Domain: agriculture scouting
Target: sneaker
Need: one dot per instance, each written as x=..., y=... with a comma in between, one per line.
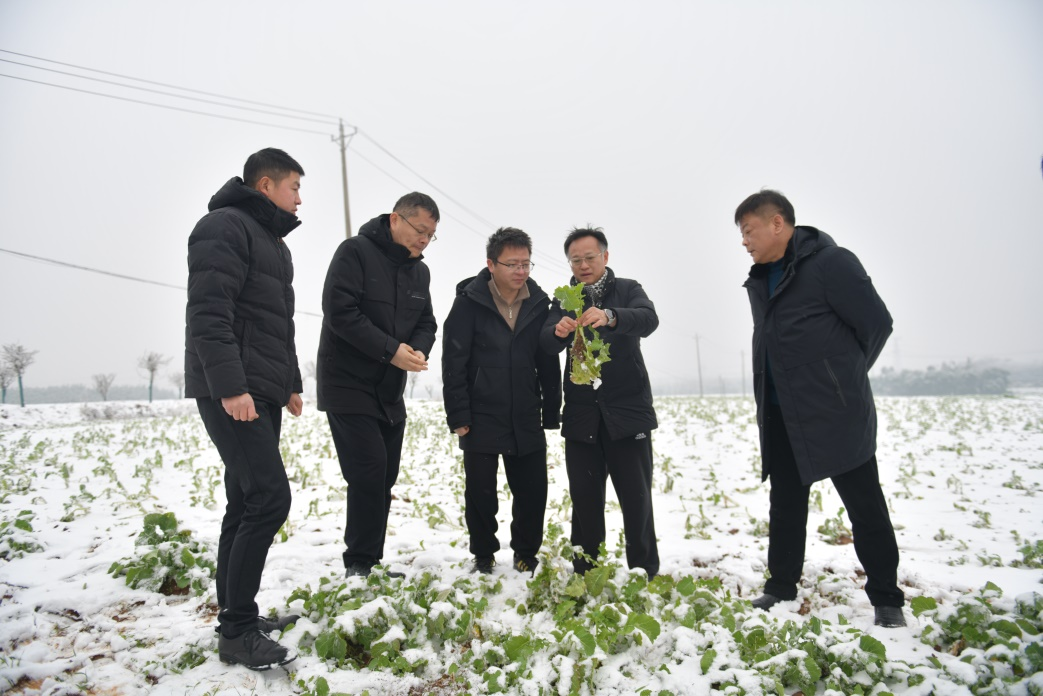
x=254, y=650
x=766, y=601
x=279, y=623
x=483, y=565
x=525, y=564
x=889, y=617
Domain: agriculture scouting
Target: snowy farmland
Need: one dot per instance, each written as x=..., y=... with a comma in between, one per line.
x=964, y=478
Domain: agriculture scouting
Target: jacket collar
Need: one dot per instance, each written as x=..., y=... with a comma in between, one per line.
x=235, y=193
x=378, y=231
x=476, y=288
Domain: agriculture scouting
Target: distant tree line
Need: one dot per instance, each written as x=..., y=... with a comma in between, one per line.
x=950, y=379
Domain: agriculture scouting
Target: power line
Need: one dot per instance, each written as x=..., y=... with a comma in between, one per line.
x=121, y=276
x=165, y=94
x=165, y=106
x=164, y=84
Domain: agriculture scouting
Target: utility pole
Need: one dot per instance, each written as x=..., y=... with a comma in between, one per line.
x=699, y=364
x=742, y=371
x=343, y=142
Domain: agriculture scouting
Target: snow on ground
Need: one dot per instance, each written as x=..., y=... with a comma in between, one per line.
x=962, y=475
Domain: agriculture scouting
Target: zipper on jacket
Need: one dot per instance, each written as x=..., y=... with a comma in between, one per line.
x=836, y=382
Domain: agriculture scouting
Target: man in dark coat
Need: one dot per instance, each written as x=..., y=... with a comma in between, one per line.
x=608, y=426
x=377, y=325
x=241, y=367
x=818, y=327
x=500, y=392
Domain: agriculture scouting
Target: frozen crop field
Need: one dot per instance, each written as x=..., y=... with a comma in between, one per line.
x=964, y=477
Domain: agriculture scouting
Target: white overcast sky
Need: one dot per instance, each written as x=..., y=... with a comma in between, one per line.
x=910, y=131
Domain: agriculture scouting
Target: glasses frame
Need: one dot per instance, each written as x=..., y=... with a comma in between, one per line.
x=431, y=236
x=576, y=263
x=525, y=267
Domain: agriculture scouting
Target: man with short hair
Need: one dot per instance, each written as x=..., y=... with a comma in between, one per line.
x=501, y=391
x=818, y=327
x=608, y=429
x=377, y=325
x=241, y=367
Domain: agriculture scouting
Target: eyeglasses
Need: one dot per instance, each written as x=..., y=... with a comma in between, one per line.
x=523, y=267
x=430, y=235
x=578, y=261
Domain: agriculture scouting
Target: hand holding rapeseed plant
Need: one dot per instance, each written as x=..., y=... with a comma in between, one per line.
x=587, y=356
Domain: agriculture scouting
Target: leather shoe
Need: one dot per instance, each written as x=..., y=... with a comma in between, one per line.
x=889, y=617
x=254, y=650
x=766, y=601
x=483, y=565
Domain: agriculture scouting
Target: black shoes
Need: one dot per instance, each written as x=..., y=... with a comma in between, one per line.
x=889, y=617
x=254, y=650
x=525, y=564
x=483, y=565
x=355, y=570
x=279, y=623
x=766, y=601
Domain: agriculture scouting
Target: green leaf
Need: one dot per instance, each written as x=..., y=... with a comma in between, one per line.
x=586, y=640
x=322, y=687
x=644, y=623
x=1006, y=628
x=329, y=645
x=187, y=558
x=921, y=604
x=686, y=586
x=873, y=646
x=576, y=587
x=23, y=524
x=814, y=671
x=597, y=578
x=570, y=297
x=707, y=660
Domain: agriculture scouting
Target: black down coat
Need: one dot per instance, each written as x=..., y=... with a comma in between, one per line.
x=624, y=399
x=239, y=334
x=494, y=380
x=375, y=298
x=823, y=328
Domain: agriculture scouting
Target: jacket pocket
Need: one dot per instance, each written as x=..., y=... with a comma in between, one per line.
x=836, y=382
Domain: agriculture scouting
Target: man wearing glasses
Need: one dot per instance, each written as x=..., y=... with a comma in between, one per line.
x=377, y=325
x=501, y=391
x=608, y=430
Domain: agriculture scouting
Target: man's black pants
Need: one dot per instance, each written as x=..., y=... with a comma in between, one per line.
x=859, y=489
x=527, y=478
x=258, y=495
x=629, y=462
x=369, y=450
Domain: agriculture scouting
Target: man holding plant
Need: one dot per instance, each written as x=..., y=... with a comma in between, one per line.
x=501, y=391
x=818, y=327
x=608, y=417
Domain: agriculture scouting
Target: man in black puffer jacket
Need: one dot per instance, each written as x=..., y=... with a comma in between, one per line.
x=500, y=392
x=608, y=429
x=241, y=367
x=818, y=326
x=377, y=325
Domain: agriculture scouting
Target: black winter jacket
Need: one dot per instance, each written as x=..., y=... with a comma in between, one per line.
x=498, y=382
x=624, y=398
x=239, y=333
x=823, y=329
x=375, y=298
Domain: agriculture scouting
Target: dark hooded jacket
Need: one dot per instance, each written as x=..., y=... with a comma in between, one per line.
x=822, y=329
x=624, y=399
x=375, y=298
x=239, y=333
x=495, y=380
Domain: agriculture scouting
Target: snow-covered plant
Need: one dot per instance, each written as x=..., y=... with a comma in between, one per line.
x=587, y=355
x=168, y=560
x=16, y=536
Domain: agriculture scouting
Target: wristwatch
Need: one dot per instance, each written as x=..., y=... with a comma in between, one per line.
x=611, y=316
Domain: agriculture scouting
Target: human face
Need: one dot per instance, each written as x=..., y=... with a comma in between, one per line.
x=284, y=193
x=587, y=260
x=763, y=236
x=414, y=233
x=511, y=279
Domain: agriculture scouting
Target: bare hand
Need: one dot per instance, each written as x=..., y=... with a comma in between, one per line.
x=408, y=359
x=240, y=408
x=594, y=318
x=295, y=405
x=564, y=327
x=463, y=431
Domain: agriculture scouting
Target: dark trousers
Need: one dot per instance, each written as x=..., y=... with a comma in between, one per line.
x=369, y=450
x=258, y=495
x=860, y=491
x=527, y=478
x=629, y=462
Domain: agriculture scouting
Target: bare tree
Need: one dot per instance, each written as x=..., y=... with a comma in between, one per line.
x=102, y=384
x=151, y=362
x=6, y=377
x=177, y=378
x=18, y=359
x=413, y=377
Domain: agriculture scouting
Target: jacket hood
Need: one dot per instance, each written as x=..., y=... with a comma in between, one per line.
x=477, y=288
x=378, y=231
x=236, y=194
x=805, y=241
